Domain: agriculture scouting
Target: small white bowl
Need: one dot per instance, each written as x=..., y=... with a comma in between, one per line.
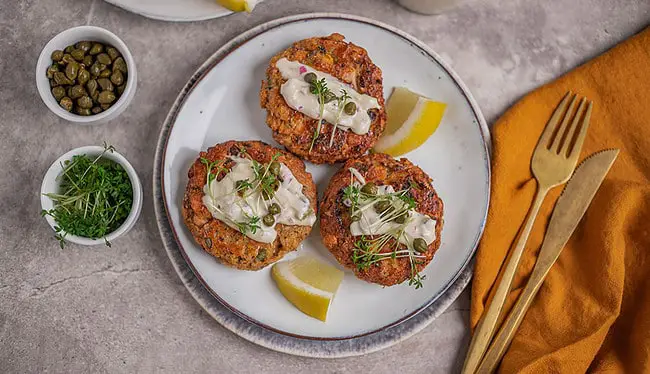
x=51, y=185
x=72, y=36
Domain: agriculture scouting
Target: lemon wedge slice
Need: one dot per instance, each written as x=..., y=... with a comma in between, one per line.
x=308, y=283
x=238, y=5
x=411, y=121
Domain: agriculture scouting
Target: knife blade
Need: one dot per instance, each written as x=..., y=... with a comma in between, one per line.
x=567, y=214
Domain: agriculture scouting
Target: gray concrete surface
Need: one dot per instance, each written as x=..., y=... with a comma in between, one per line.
x=123, y=309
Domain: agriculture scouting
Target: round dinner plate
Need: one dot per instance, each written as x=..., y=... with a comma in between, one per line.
x=173, y=10
x=221, y=102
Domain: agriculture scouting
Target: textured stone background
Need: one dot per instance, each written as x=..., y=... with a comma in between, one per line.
x=123, y=309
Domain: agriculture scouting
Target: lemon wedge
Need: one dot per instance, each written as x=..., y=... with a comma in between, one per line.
x=238, y=5
x=411, y=121
x=308, y=283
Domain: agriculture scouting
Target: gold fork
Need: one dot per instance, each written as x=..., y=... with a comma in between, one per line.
x=553, y=162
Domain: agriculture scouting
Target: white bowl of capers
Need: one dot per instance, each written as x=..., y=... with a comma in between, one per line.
x=86, y=75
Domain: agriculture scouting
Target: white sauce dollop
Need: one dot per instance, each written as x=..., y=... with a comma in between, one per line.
x=418, y=225
x=297, y=95
x=223, y=202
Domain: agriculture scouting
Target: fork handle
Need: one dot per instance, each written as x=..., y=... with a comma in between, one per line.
x=487, y=324
x=511, y=325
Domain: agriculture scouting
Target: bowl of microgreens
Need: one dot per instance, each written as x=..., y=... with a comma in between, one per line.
x=91, y=195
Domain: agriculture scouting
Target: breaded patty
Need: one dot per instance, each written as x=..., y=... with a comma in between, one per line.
x=230, y=246
x=345, y=61
x=335, y=219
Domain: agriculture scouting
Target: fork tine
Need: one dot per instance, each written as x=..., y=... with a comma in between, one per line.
x=575, y=151
x=568, y=139
x=545, y=139
x=557, y=141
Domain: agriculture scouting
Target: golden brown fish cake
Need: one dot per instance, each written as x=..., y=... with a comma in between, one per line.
x=335, y=217
x=347, y=62
x=228, y=245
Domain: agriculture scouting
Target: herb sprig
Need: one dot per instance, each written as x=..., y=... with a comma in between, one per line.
x=94, y=198
x=340, y=102
x=320, y=89
x=394, y=243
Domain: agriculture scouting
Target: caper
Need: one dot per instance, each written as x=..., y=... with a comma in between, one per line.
x=310, y=77
x=96, y=49
x=401, y=219
x=329, y=96
x=105, y=106
x=71, y=70
x=92, y=87
x=381, y=206
x=120, y=89
x=68, y=49
x=88, y=61
x=350, y=108
x=53, y=83
x=95, y=69
x=84, y=46
x=77, y=91
x=241, y=186
x=95, y=96
x=355, y=218
x=82, y=111
x=105, y=84
x=51, y=70
x=78, y=54
x=268, y=220
x=369, y=188
x=58, y=92
x=105, y=73
x=261, y=255
x=106, y=97
x=113, y=53
x=66, y=103
x=57, y=55
x=85, y=102
x=274, y=209
x=103, y=58
x=275, y=185
x=96, y=110
x=61, y=79
x=274, y=168
x=120, y=64
x=83, y=77
x=117, y=78
x=67, y=58
x=420, y=245
x=267, y=195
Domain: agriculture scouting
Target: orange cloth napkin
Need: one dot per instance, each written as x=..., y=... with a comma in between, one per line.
x=592, y=313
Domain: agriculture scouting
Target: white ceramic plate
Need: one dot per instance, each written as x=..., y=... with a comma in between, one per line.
x=221, y=103
x=174, y=10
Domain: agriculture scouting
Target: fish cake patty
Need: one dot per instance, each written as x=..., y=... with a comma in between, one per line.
x=345, y=61
x=228, y=245
x=335, y=217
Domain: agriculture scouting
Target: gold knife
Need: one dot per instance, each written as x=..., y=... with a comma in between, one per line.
x=568, y=212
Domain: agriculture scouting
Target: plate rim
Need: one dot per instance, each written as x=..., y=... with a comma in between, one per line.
x=458, y=282
x=157, y=17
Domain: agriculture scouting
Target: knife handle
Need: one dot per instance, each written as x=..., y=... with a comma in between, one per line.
x=509, y=328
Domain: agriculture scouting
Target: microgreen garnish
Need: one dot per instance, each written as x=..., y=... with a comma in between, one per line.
x=392, y=207
x=95, y=197
x=251, y=225
x=209, y=165
x=319, y=88
x=340, y=102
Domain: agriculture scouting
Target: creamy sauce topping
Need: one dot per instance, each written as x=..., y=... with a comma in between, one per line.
x=418, y=225
x=298, y=96
x=225, y=204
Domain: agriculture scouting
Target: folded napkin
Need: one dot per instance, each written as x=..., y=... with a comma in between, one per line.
x=593, y=311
